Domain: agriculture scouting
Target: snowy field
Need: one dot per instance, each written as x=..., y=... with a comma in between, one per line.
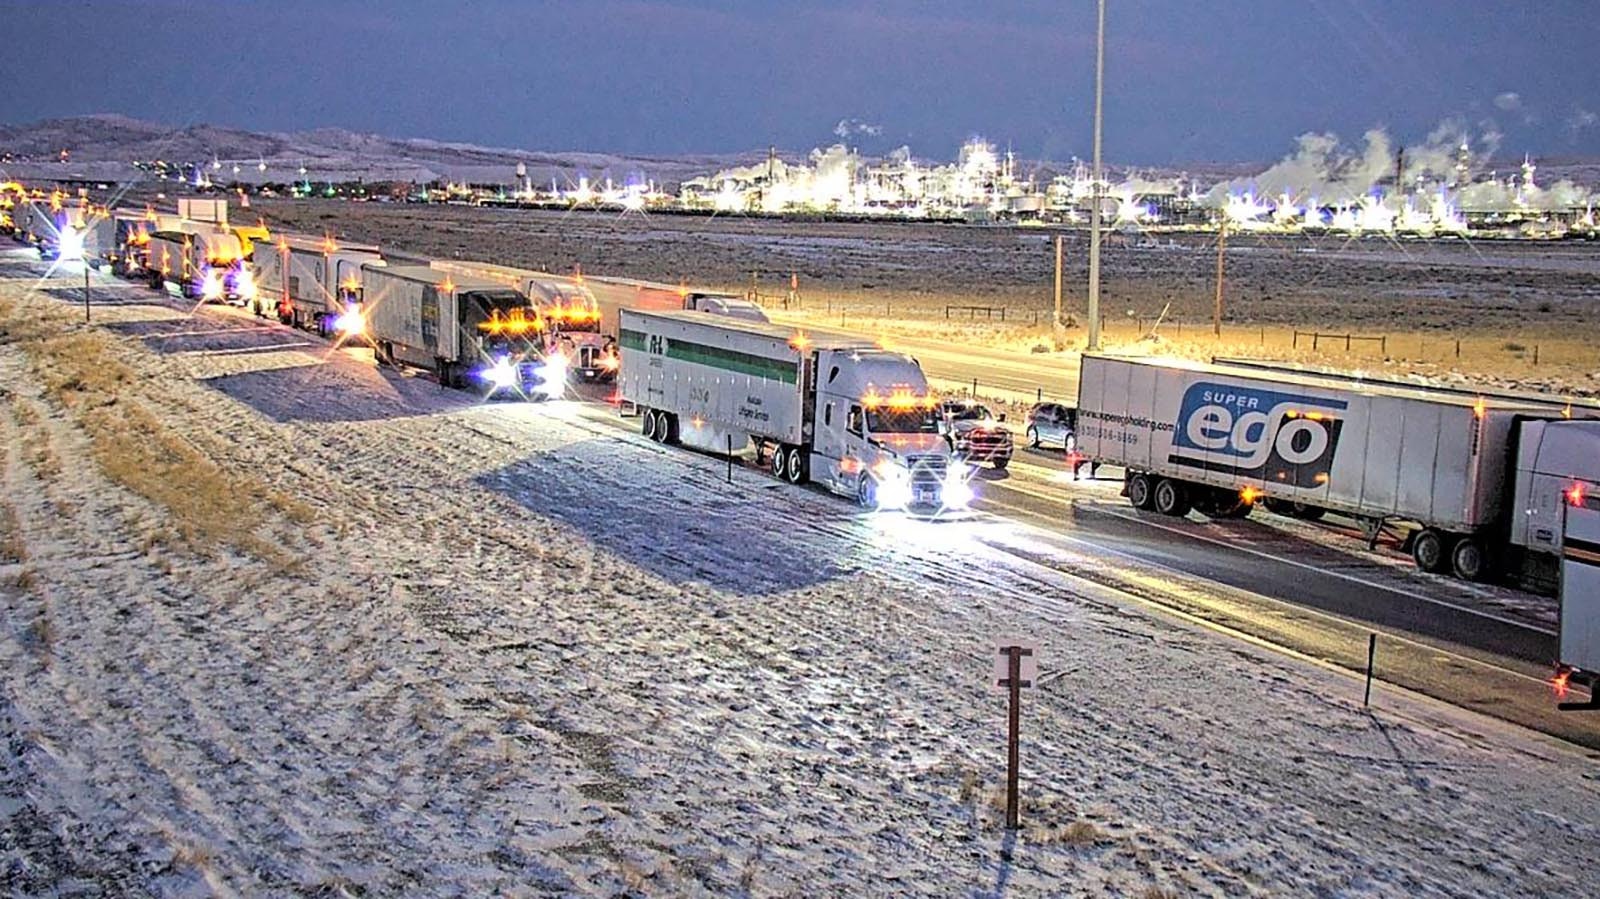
x=455, y=648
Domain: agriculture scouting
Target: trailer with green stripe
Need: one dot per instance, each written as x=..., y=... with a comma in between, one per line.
x=843, y=413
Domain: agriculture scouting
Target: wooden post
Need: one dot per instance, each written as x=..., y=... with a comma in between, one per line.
x=1222, y=246
x=1372, y=652
x=1013, y=733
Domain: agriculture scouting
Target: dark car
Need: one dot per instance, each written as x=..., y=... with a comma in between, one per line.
x=1052, y=424
x=974, y=433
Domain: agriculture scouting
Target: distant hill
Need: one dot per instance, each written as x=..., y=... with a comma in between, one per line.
x=101, y=144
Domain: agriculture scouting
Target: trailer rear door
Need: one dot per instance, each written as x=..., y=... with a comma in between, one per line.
x=1580, y=587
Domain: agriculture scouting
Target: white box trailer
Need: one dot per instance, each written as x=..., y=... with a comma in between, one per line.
x=850, y=416
x=314, y=283
x=467, y=330
x=1579, y=621
x=1465, y=471
x=204, y=209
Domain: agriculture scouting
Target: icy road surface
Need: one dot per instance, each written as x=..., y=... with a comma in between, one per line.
x=519, y=649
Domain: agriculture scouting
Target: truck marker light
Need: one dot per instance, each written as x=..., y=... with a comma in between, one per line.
x=1249, y=495
x=1575, y=495
x=1321, y=478
x=800, y=341
x=1479, y=408
x=1567, y=411
x=328, y=246
x=1560, y=681
x=447, y=286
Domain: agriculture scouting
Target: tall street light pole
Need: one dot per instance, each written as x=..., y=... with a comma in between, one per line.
x=1094, y=211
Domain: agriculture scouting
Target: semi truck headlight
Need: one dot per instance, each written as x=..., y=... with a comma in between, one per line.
x=502, y=374
x=71, y=243
x=555, y=374
x=350, y=323
x=894, y=486
x=211, y=285
x=244, y=284
x=956, y=491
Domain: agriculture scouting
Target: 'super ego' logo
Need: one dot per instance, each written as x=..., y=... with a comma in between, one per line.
x=1252, y=432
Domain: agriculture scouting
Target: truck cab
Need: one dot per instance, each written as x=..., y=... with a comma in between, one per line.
x=875, y=434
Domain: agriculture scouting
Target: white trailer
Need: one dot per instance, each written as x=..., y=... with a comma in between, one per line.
x=467, y=330
x=1579, y=622
x=850, y=416
x=314, y=283
x=1477, y=479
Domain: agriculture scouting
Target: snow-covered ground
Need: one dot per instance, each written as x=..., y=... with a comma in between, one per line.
x=518, y=648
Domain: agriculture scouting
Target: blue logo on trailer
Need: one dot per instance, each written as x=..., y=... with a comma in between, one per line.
x=1250, y=432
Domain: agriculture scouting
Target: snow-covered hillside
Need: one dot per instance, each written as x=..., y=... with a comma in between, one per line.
x=443, y=647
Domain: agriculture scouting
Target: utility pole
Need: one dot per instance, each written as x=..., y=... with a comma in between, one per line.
x=1059, y=326
x=1094, y=211
x=1222, y=246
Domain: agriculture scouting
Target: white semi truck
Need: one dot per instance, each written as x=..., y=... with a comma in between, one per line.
x=568, y=313
x=202, y=261
x=469, y=331
x=1579, y=622
x=1478, y=481
x=314, y=283
x=850, y=416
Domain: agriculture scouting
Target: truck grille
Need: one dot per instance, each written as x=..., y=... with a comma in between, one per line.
x=927, y=468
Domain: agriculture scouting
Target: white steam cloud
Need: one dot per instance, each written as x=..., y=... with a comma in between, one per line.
x=848, y=128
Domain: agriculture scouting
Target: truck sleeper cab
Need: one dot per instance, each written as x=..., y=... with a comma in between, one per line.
x=315, y=284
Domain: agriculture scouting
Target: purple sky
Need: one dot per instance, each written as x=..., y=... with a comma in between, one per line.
x=1187, y=80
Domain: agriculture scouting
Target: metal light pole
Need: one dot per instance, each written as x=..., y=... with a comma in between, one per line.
x=1094, y=211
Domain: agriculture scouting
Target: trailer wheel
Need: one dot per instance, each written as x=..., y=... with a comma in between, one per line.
x=647, y=424
x=1171, y=498
x=668, y=424
x=796, y=466
x=779, y=461
x=1140, y=492
x=1428, y=549
x=1467, y=560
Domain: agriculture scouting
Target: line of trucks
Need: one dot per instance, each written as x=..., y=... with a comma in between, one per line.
x=1483, y=484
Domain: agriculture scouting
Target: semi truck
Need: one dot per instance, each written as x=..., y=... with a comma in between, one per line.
x=569, y=314
x=201, y=261
x=468, y=331
x=1476, y=482
x=849, y=416
x=314, y=283
x=1579, y=620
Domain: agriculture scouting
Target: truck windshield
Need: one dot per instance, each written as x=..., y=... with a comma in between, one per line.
x=901, y=421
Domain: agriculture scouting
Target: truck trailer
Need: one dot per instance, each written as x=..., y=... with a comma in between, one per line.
x=850, y=416
x=469, y=331
x=314, y=283
x=1478, y=482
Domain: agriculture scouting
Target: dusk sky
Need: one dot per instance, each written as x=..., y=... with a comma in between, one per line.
x=1228, y=80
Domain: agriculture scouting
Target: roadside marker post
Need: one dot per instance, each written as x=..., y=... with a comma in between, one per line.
x=1372, y=652
x=1016, y=666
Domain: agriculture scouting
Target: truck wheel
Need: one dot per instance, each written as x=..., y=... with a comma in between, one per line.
x=1171, y=498
x=1428, y=549
x=779, y=461
x=647, y=424
x=668, y=425
x=867, y=493
x=1140, y=492
x=1001, y=463
x=1033, y=437
x=796, y=466
x=1467, y=560
x=1305, y=512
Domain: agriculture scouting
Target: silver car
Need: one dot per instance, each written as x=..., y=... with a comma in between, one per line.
x=1052, y=424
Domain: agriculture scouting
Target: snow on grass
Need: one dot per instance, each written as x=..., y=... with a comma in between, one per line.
x=528, y=651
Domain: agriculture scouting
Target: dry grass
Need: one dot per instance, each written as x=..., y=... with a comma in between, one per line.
x=38, y=450
x=1159, y=893
x=83, y=370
